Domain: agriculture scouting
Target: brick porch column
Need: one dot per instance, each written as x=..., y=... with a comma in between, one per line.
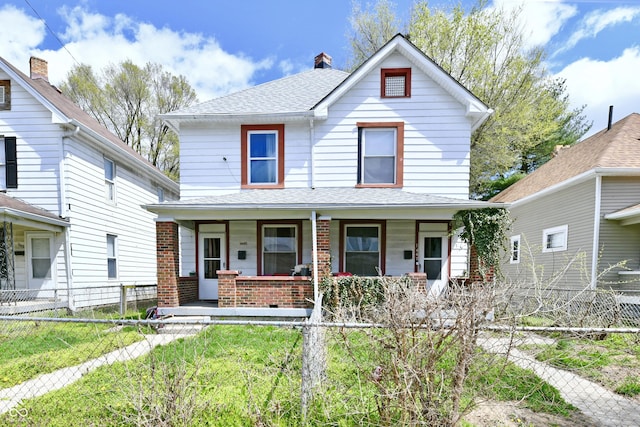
x=227, y=288
x=323, y=225
x=474, y=268
x=168, y=263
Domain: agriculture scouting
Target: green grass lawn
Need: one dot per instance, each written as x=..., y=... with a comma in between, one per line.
x=238, y=376
x=613, y=361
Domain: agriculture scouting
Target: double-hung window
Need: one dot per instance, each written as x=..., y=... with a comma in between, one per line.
x=280, y=248
x=555, y=239
x=363, y=249
x=380, y=154
x=262, y=148
x=110, y=180
x=112, y=259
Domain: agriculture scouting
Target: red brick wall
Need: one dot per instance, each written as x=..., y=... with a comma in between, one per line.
x=167, y=253
x=187, y=289
x=264, y=291
x=474, y=268
x=324, y=248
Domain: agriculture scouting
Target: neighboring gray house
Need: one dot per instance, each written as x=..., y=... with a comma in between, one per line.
x=321, y=172
x=583, y=201
x=72, y=229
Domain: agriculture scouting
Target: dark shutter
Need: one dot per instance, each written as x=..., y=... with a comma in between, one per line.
x=360, y=165
x=11, y=159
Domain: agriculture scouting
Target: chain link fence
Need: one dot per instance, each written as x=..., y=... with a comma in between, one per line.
x=536, y=371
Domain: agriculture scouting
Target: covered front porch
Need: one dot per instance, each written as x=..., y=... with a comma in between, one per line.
x=262, y=259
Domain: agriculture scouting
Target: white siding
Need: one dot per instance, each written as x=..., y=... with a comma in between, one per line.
x=436, y=139
x=436, y=142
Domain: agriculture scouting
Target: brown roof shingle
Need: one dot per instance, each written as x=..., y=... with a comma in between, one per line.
x=618, y=147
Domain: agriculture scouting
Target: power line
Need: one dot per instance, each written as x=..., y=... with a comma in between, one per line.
x=62, y=45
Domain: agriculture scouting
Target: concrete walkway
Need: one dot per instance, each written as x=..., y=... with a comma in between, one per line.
x=604, y=407
x=11, y=397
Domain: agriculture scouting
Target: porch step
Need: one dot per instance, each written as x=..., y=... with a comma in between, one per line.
x=188, y=325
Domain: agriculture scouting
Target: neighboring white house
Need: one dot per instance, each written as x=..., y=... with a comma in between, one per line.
x=364, y=170
x=73, y=227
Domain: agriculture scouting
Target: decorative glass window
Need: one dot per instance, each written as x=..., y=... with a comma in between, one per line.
x=515, y=250
x=380, y=158
x=109, y=179
x=555, y=239
x=395, y=83
x=262, y=148
x=112, y=260
x=279, y=249
x=362, y=250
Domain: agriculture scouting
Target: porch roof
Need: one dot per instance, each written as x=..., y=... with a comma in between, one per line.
x=320, y=198
x=24, y=213
x=627, y=216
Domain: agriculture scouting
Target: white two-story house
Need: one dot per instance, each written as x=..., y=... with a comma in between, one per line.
x=73, y=229
x=319, y=173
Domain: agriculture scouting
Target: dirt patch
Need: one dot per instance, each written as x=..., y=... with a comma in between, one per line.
x=513, y=414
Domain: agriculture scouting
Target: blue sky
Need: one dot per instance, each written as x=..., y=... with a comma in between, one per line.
x=223, y=46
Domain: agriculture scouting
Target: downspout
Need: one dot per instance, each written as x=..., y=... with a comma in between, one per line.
x=312, y=137
x=64, y=213
x=596, y=233
x=314, y=251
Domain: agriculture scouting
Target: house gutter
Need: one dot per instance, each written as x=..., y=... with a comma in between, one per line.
x=314, y=250
x=596, y=233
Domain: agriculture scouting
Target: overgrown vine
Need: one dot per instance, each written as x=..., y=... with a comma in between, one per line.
x=486, y=229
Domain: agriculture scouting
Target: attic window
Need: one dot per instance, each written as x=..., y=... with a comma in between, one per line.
x=5, y=94
x=395, y=83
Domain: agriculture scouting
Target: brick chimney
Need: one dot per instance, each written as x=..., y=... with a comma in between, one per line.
x=39, y=68
x=322, y=61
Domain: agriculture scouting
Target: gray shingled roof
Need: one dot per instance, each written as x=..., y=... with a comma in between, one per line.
x=618, y=147
x=19, y=206
x=296, y=198
x=291, y=94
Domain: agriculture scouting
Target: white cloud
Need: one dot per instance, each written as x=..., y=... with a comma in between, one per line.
x=599, y=20
x=98, y=40
x=617, y=85
x=540, y=20
x=19, y=33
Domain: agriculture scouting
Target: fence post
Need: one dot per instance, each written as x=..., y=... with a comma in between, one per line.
x=123, y=299
x=314, y=359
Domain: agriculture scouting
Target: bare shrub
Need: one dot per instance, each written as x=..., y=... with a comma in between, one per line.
x=417, y=355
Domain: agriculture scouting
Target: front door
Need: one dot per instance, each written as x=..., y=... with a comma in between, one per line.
x=40, y=260
x=434, y=260
x=212, y=256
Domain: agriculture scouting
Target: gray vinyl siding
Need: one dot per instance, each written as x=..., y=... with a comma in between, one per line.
x=573, y=207
x=618, y=242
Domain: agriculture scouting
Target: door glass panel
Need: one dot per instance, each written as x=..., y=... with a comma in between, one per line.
x=433, y=247
x=433, y=257
x=41, y=258
x=433, y=268
x=211, y=268
x=212, y=255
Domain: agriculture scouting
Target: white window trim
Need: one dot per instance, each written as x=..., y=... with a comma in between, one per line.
x=110, y=182
x=363, y=155
x=564, y=229
x=249, y=158
x=515, y=239
x=115, y=251
x=2, y=95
